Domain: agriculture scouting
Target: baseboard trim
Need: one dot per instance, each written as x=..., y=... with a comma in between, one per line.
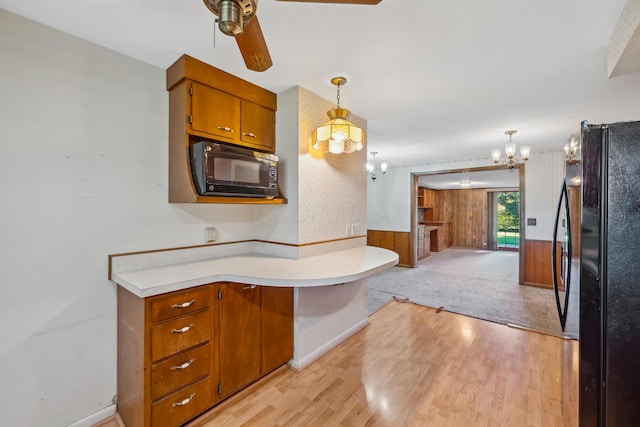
x=96, y=418
x=300, y=364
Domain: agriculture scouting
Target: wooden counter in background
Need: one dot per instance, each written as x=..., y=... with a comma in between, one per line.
x=441, y=235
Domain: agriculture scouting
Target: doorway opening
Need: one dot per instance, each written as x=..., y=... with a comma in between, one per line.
x=508, y=220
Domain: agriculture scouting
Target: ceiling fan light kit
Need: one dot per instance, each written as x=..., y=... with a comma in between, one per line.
x=338, y=135
x=236, y=18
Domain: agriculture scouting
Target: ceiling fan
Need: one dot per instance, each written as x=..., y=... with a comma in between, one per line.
x=237, y=18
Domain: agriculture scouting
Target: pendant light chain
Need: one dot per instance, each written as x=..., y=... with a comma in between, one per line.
x=338, y=95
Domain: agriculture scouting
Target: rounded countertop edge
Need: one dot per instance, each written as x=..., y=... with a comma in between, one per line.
x=298, y=273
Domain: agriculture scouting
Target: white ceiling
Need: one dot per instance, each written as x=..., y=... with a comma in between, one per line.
x=478, y=179
x=436, y=79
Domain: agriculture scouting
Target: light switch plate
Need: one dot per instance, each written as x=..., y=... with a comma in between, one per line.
x=531, y=221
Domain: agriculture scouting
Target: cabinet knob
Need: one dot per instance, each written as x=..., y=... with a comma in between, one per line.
x=249, y=134
x=185, y=401
x=226, y=129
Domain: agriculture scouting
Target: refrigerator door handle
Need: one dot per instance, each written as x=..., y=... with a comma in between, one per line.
x=565, y=268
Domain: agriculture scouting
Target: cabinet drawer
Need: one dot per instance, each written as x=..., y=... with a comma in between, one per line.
x=178, y=407
x=180, y=303
x=180, y=370
x=179, y=334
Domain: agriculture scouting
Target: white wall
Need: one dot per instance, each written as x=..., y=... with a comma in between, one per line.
x=544, y=173
x=389, y=197
x=83, y=174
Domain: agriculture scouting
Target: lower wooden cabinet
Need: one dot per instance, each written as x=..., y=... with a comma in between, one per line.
x=240, y=336
x=181, y=353
x=277, y=327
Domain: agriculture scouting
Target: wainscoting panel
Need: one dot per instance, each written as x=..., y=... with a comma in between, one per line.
x=538, y=263
x=397, y=241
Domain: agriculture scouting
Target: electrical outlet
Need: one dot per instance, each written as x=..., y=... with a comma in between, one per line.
x=210, y=235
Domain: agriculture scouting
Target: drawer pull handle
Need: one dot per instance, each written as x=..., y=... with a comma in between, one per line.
x=182, y=330
x=184, y=304
x=185, y=365
x=249, y=287
x=185, y=401
x=226, y=129
x=250, y=135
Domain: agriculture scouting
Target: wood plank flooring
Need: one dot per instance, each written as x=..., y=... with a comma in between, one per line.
x=414, y=367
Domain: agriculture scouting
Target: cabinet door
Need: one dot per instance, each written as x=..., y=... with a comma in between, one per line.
x=277, y=327
x=258, y=125
x=215, y=112
x=240, y=336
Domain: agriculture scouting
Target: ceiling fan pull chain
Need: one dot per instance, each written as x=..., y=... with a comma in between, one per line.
x=215, y=21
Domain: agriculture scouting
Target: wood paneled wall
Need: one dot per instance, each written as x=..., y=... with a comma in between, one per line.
x=397, y=241
x=538, y=263
x=467, y=211
x=575, y=207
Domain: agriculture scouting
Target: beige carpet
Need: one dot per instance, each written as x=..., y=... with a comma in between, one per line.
x=482, y=284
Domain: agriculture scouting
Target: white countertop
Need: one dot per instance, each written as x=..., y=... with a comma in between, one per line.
x=322, y=270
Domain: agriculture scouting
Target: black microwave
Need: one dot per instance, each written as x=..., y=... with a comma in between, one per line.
x=227, y=170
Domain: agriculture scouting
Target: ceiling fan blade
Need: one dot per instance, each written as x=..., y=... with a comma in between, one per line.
x=253, y=47
x=372, y=2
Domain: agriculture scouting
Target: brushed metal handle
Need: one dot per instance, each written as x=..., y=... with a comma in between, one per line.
x=249, y=287
x=185, y=365
x=183, y=330
x=249, y=134
x=225, y=128
x=184, y=304
x=185, y=401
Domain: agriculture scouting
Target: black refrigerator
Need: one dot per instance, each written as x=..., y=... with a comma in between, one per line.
x=609, y=328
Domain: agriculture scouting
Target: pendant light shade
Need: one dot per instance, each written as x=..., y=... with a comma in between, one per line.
x=338, y=135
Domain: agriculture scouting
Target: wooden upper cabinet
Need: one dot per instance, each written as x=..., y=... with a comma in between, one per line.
x=258, y=126
x=215, y=113
x=206, y=102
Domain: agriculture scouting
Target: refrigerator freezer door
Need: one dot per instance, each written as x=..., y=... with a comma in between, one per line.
x=621, y=273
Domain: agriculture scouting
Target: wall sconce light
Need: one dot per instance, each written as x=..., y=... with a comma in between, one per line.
x=373, y=169
x=510, y=150
x=571, y=149
x=338, y=135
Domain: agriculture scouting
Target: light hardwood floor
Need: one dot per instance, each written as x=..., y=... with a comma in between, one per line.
x=414, y=366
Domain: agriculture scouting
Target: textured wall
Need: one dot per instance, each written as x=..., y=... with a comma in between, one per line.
x=332, y=188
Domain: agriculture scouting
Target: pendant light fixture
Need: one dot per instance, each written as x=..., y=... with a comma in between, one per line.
x=510, y=150
x=338, y=135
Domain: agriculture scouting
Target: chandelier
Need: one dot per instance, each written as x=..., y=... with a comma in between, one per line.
x=373, y=169
x=510, y=150
x=338, y=135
